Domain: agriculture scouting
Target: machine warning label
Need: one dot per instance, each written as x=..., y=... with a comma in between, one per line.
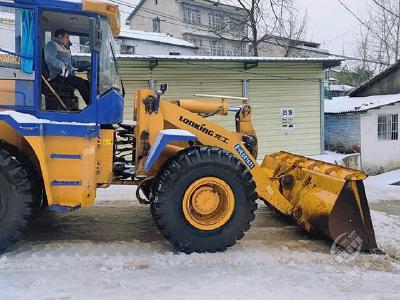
x=244, y=156
x=204, y=129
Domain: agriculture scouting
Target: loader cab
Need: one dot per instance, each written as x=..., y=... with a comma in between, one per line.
x=27, y=86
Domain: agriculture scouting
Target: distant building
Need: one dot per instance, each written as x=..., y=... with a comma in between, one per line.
x=365, y=125
x=281, y=46
x=195, y=21
x=367, y=122
x=337, y=90
x=384, y=83
x=150, y=43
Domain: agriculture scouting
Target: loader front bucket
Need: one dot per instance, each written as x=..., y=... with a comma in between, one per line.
x=327, y=199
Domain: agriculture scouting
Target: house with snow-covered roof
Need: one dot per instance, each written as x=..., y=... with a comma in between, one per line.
x=368, y=126
x=152, y=43
x=132, y=41
x=367, y=122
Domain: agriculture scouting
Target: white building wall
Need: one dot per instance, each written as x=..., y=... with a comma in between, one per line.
x=378, y=156
x=143, y=19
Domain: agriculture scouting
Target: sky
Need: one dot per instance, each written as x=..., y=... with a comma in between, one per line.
x=332, y=25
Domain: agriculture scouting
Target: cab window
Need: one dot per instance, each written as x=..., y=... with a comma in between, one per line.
x=66, y=63
x=17, y=53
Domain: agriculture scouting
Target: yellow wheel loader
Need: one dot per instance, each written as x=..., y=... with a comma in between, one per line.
x=201, y=180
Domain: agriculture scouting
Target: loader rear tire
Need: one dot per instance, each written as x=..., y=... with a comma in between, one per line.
x=18, y=198
x=221, y=174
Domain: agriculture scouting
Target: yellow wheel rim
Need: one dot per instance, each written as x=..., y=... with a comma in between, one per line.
x=208, y=203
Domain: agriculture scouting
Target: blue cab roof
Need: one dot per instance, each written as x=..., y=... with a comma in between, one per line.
x=75, y=5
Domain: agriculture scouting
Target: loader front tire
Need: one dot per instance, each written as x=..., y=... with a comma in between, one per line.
x=17, y=197
x=204, y=200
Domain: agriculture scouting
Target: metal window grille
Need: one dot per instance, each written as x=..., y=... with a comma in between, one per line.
x=388, y=127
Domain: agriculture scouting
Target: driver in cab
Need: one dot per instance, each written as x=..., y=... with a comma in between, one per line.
x=58, y=58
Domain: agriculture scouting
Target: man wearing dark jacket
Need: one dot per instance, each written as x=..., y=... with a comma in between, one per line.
x=59, y=62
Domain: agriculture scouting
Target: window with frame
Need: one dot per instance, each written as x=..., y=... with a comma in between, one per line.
x=215, y=21
x=127, y=49
x=197, y=41
x=217, y=48
x=192, y=15
x=17, y=52
x=388, y=127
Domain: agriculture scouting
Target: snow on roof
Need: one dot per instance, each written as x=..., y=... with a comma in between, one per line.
x=340, y=105
x=23, y=118
x=154, y=37
x=326, y=61
x=340, y=87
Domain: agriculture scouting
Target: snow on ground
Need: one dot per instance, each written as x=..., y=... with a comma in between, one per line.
x=113, y=251
x=380, y=187
x=330, y=157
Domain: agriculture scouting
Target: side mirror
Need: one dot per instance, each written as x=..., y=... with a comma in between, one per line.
x=95, y=35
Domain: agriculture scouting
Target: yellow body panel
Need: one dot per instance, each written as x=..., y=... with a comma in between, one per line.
x=68, y=182
x=104, y=157
x=8, y=134
x=111, y=11
x=86, y=162
x=7, y=92
x=202, y=107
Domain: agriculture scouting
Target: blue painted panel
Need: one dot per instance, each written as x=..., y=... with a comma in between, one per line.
x=63, y=209
x=66, y=183
x=111, y=108
x=165, y=137
x=66, y=156
x=71, y=130
x=25, y=129
x=53, y=4
x=39, y=129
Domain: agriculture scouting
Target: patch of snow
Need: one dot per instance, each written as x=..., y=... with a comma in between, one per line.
x=385, y=178
x=128, y=123
x=380, y=188
x=29, y=119
x=163, y=38
x=331, y=157
x=231, y=58
x=355, y=104
x=340, y=87
x=387, y=231
x=116, y=194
